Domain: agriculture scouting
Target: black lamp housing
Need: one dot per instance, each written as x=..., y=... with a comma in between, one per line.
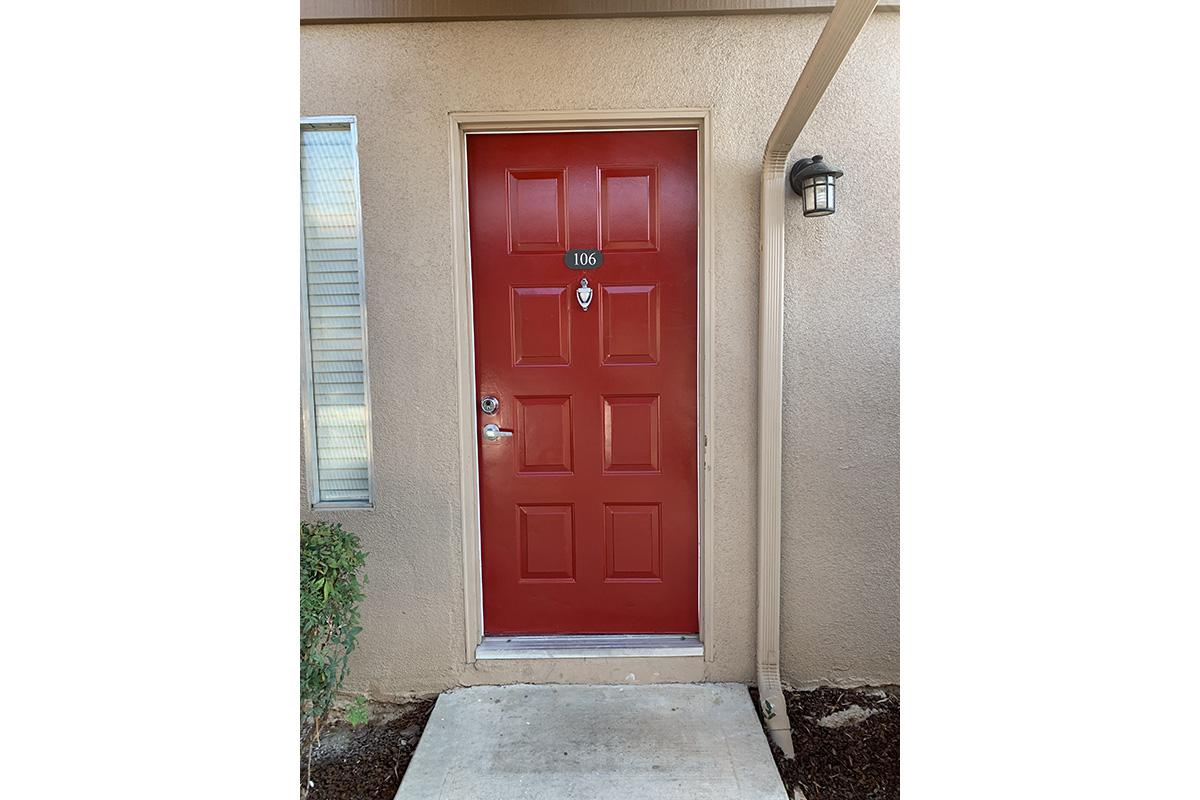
x=816, y=183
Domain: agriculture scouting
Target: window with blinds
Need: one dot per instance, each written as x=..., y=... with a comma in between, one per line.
x=337, y=411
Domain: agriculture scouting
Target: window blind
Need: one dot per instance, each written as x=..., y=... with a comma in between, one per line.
x=340, y=438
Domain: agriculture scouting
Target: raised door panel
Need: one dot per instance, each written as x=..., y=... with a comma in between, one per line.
x=537, y=211
x=631, y=433
x=540, y=322
x=629, y=209
x=630, y=323
x=547, y=543
x=544, y=436
x=633, y=542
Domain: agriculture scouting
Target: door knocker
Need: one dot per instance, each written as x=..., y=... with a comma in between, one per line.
x=584, y=294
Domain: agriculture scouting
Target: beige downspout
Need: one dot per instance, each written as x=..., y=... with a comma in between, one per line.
x=841, y=29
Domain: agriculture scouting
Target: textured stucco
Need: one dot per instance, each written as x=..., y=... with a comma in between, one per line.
x=841, y=386
x=840, y=549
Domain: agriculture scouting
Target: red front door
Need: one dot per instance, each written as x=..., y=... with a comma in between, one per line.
x=588, y=510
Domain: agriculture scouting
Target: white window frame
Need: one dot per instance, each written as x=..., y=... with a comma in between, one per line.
x=309, y=398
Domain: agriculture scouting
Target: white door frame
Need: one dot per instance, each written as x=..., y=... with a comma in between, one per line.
x=462, y=123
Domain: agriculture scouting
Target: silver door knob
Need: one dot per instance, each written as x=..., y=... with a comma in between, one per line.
x=492, y=432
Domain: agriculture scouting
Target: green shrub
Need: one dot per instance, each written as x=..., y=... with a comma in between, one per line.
x=330, y=559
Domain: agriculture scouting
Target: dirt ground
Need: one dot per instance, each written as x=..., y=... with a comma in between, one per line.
x=368, y=761
x=847, y=747
x=847, y=743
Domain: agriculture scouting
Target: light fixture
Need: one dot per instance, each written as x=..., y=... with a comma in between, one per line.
x=815, y=182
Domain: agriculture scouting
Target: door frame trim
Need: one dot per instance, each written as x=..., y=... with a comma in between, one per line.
x=460, y=124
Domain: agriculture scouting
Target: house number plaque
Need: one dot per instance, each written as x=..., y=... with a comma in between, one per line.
x=583, y=259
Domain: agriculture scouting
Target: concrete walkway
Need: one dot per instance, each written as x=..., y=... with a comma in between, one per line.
x=666, y=741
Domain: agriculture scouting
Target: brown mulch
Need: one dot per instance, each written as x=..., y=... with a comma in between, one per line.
x=859, y=760
x=367, y=761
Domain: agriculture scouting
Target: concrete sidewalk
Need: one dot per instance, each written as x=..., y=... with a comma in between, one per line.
x=668, y=741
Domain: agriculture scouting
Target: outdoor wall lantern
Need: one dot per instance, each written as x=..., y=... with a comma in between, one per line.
x=815, y=181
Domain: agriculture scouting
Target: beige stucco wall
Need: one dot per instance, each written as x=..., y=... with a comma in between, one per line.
x=841, y=384
x=840, y=550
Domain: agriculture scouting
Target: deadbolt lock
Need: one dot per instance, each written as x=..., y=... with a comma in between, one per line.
x=489, y=404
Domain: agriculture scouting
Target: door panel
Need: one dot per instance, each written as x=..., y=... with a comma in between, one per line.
x=588, y=511
x=630, y=324
x=631, y=438
x=537, y=211
x=541, y=326
x=543, y=435
x=629, y=208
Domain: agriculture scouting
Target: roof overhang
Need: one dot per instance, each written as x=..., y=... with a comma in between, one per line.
x=314, y=12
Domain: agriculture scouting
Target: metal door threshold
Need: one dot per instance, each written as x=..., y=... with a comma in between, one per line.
x=591, y=646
